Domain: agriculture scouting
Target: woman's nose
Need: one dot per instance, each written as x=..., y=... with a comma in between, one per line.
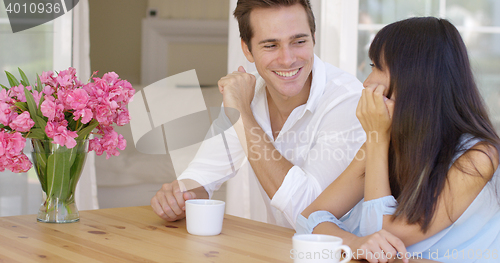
x=367, y=82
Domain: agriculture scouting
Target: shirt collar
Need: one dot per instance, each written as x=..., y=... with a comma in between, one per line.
x=317, y=84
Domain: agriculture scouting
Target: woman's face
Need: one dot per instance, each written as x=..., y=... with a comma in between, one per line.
x=378, y=77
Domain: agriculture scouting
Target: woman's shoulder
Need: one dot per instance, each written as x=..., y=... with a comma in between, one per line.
x=477, y=157
x=476, y=164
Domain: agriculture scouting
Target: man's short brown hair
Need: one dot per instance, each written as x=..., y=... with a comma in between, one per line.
x=245, y=7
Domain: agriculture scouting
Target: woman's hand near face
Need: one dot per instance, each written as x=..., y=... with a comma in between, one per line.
x=375, y=112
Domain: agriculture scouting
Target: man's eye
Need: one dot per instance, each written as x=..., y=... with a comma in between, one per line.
x=269, y=46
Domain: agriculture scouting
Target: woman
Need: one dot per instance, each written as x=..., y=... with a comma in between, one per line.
x=428, y=170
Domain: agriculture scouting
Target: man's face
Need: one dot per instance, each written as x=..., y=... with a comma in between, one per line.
x=282, y=48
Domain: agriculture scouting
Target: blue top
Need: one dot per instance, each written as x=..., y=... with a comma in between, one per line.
x=473, y=237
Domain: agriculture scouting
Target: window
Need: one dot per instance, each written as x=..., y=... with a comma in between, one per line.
x=478, y=22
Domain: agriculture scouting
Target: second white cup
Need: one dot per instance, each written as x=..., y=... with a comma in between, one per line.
x=315, y=248
x=204, y=217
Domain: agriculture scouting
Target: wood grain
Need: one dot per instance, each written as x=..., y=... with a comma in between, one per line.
x=136, y=234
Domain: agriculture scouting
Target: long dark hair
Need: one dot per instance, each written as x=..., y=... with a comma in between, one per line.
x=436, y=101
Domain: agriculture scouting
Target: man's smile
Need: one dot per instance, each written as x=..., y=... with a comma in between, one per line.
x=287, y=73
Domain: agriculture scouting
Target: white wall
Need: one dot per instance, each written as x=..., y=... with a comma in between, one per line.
x=190, y=9
x=209, y=60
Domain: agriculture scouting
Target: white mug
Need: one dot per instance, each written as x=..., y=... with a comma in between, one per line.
x=319, y=249
x=204, y=217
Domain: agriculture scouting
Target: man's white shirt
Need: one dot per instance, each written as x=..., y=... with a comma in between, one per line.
x=320, y=138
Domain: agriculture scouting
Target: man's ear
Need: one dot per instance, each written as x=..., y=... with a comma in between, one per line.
x=247, y=52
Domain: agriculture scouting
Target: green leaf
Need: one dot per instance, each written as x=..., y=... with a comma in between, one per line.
x=31, y=106
x=22, y=105
x=58, y=165
x=40, y=155
x=40, y=122
x=39, y=111
x=37, y=133
x=25, y=79
x=77, y=167
x=83, y=133
x=4, y=87
x=12, y=80
x=71, y=123
x=39, y=84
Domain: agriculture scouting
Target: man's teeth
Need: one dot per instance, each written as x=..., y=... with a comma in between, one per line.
x=287, y=74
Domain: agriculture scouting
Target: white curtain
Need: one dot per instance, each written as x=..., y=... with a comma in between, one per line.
x=86, y=191
x=238, y=192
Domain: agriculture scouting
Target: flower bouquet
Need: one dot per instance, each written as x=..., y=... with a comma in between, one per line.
x=59, y=114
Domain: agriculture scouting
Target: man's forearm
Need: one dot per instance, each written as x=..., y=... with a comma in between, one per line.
x=267, y=162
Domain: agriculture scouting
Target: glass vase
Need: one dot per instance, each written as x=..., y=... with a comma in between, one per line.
x=58, y=169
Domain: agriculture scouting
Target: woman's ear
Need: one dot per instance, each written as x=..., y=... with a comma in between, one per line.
x=247, y=52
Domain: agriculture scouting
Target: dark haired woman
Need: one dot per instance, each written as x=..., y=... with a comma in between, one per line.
x=425, y=183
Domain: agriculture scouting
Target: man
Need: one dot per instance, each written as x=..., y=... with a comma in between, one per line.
x=297, y=129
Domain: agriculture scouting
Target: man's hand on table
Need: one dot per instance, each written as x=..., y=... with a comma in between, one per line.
x=169, y=202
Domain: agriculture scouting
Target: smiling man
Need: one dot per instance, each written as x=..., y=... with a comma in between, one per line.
x=297, y=129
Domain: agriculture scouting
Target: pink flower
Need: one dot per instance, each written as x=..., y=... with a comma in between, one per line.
x=13, y=144
x=52, y=110
x=122, y=143
x=6, y=113
x=3, y=144
x=22, y=123
x=86, y=115
x=37, y=96
x=77, y=99
x=11, y=152
x=123, y=118
x=18, y=92
x=48, y=90
x=95, y=145
x=69, y=72
x=64, y=81
x=109, y=142
x=103, y=115
x=3, y=96
x=47, y=78
x=60, y=134
x=111, y=78
x=19, y=164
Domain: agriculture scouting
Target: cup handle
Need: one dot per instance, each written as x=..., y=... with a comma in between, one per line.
x=348, y=253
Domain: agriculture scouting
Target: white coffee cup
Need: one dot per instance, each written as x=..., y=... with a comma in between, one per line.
x=204, y=217
x=319, y=249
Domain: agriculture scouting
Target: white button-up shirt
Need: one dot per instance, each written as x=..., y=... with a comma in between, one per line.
x=320, y=138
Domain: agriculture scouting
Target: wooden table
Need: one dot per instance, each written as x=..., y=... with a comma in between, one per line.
x=136, y=234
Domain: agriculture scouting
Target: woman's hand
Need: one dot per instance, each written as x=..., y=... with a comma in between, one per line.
x=375, y=112
x=379, y=247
